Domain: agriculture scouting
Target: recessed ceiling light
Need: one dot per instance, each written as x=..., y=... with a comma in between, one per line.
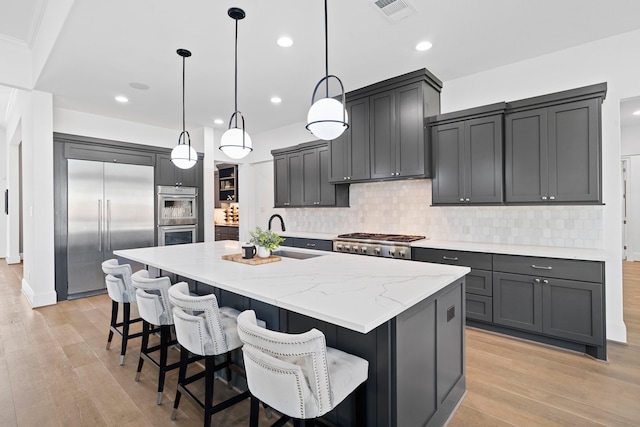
x=285, y=41
x=218, y=121
x=636, y=113
x=139, y=86
x=122, y=99
x=422, y=46
x=276, y=100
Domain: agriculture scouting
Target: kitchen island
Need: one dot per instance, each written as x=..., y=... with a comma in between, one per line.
x=406, y=318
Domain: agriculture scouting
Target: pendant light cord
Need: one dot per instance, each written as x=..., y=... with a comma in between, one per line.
x=236, y=75
x=326, y=47
x=183, y=84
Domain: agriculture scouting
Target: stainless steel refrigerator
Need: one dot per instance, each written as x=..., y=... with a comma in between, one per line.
x=110, y=207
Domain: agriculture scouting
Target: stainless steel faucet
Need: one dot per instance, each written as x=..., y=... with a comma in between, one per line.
x=281, y=221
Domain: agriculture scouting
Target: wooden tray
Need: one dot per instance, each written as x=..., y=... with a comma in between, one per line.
x=256, y=260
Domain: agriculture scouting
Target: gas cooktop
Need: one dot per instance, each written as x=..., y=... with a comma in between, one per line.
x=381, y=237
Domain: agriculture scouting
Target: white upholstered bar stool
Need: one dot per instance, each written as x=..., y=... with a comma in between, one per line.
x=120, y=291
x=207, y=330
x=297, y=374
x=152, y=296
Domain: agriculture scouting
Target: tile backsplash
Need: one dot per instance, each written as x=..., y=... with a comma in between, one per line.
x=404, y=207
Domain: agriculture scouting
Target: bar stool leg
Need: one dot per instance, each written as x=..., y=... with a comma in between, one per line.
x=209, y=363
x=182, y=374
x=114, y=320
x=125, y=330
x=254, y=412
x=165, y=339
x=143, y=347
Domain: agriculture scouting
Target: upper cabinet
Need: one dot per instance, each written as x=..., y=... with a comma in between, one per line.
x=301, y=177
x=386, y=137
x=227, y=183
x=169, y=174
x=553, y=148
x=468, y=157
x=350, y=152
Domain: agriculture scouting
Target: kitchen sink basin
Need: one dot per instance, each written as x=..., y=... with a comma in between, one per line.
x=296, y=255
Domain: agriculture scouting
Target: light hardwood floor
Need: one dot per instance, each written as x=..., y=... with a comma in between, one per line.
x=55, y=371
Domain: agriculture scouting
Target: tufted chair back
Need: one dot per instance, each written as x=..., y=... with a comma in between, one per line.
x=286, y=371
x=200, y=325
x=152, y=296
x=118, y=281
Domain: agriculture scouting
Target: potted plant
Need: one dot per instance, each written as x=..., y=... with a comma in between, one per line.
x=265, y=241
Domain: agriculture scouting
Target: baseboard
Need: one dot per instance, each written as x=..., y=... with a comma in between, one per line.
x=15, y=259
x=38, y=300
x=617, y=332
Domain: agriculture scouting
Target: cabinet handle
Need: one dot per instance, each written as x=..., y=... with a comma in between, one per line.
x=450, y=258
x=344, y=177
x=544, y=197
x=552, y=198
x=545, y=281
x=542, y=267
x=462, y=199
x=467, y=200
x=536, y=280
x=311, y=245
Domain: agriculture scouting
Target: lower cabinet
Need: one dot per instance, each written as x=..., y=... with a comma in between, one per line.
x=479, y=282
x=555, y=301
x=561, y=308
x=224, y=232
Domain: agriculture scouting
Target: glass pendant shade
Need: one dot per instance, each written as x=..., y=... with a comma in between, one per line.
x=232, y=145
x=184, y=156
x=325, y=119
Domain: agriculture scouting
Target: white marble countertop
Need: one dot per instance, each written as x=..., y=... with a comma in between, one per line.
x=495, y=248
x=356, y=292
x=499, y=248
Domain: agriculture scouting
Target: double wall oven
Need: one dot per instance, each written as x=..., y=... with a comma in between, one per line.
x=177, y=215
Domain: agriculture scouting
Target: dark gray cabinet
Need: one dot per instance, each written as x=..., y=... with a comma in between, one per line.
x=479, y=282
x=386, y=136
x=556, y=301
x=349, y=153
x=556, y=297
x=167, y=173
x=468, y=156
x=301, y=177
x=226, y=232
x=227, y=183
x=397, y=138
x=553, y=148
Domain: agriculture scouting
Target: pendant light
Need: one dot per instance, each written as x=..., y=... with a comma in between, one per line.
x=327, y=118
x=184, y=155
x=235, y=142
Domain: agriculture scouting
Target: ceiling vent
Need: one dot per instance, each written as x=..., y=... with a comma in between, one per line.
x=395, y=10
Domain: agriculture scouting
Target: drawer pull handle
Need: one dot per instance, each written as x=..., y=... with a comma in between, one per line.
x=542, y=267
x=311, y=245
x=449, y=258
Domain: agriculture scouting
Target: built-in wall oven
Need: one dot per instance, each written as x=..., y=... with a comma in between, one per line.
x=177, y=215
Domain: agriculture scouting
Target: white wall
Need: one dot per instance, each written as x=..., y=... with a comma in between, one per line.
x=3, y=187
x=85, y=124
x=633, y=208
x=630, y=140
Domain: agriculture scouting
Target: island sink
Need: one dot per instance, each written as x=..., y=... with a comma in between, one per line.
x=292, y=254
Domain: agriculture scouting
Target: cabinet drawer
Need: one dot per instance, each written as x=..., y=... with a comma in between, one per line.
x=320, y=245
x=586, y=271
x=479, y=307
x=478, y=260
x=479, y=282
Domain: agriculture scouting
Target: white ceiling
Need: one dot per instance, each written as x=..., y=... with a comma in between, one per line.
x=106, y=45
